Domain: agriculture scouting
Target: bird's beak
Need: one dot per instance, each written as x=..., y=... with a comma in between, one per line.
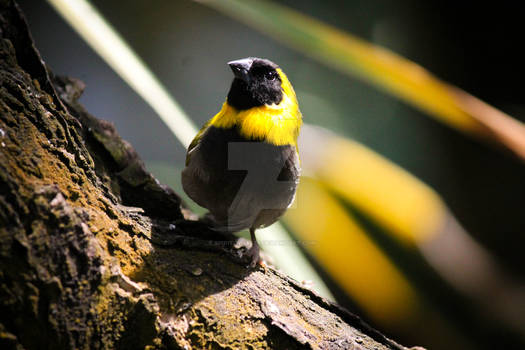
x=241, y=68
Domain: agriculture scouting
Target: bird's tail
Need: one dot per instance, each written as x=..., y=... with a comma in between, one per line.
x=225, y=225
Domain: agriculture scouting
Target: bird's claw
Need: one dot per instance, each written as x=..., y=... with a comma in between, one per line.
x=254, y=254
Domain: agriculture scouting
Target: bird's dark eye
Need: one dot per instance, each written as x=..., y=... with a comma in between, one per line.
x=271, y=75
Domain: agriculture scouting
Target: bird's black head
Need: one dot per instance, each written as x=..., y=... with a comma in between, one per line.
x=256, y=83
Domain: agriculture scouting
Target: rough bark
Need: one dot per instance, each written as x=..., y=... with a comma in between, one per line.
x=78, y=217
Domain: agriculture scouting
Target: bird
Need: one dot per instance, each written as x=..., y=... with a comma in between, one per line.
x=243, y=165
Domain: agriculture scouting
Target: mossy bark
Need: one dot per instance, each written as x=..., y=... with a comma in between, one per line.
x=78, y=213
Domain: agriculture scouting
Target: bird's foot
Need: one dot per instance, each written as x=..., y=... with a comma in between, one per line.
x=254, y=254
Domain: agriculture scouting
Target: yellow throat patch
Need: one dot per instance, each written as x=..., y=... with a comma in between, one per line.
x=275, y=124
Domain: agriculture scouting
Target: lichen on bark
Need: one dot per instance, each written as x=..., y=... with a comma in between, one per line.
x=78, y=214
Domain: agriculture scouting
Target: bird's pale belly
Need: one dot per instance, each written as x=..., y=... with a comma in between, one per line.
x=244, y=184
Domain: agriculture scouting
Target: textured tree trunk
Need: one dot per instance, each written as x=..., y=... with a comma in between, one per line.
x=78, y=217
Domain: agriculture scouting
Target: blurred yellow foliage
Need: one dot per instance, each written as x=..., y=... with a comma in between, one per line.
x=348, y=254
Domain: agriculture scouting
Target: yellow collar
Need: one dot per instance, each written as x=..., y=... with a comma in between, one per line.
x=275, y=124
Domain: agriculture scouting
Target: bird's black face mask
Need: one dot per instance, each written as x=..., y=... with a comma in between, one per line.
x=256, y=83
